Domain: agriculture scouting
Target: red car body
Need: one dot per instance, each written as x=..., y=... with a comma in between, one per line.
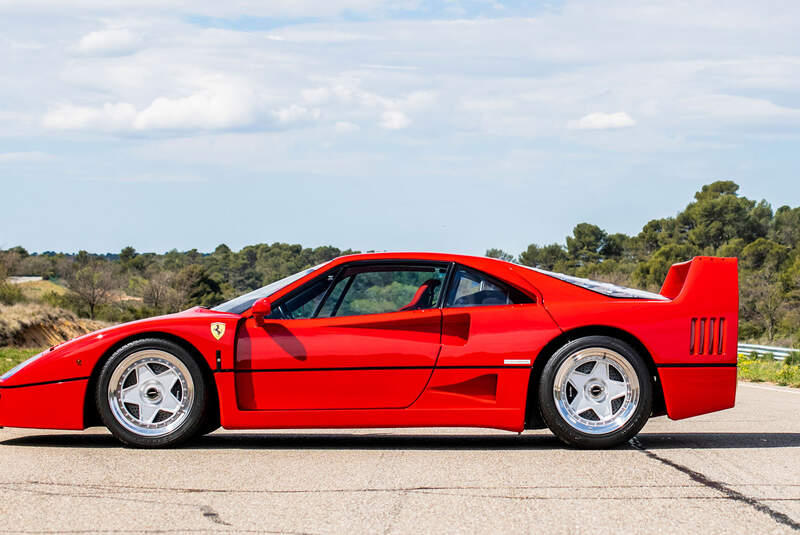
x=436, y=367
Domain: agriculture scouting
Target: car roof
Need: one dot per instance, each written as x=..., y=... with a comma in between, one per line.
x=437, y=257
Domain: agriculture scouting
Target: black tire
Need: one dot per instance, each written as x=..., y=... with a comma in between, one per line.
x=189, y=392
x=572, y=428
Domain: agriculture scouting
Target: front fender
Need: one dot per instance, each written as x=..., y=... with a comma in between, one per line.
x=78, y=358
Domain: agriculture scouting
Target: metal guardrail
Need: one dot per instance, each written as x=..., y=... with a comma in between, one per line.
x=779, y=353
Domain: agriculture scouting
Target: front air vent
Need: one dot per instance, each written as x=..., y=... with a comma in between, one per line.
x=707, y=336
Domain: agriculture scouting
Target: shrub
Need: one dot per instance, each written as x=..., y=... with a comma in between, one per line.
x=788, y=376
x=10, y=294
x=793, y=359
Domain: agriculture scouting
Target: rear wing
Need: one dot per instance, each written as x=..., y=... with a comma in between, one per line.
x=709, y=289
x=704, y=278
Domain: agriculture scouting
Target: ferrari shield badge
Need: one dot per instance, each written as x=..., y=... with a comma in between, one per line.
x=217, y=330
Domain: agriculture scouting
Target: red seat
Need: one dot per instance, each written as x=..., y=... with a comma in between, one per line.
x=423, y=296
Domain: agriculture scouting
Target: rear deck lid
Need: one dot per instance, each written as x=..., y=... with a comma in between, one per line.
x=605, y=288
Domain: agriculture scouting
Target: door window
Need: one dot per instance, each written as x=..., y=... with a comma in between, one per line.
x=391, y=290
x=362, y=290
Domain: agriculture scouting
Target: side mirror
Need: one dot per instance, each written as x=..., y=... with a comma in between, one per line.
x=261, y=309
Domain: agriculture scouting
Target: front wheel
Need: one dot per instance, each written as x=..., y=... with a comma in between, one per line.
x=595, y=392
x=151, y=394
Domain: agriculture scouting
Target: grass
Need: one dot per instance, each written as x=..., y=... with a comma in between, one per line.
x=35, y=290
x=765, y=369
x=11, y=356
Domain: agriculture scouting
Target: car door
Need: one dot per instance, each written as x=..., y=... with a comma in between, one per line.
x=364, y=337
x=489, y=324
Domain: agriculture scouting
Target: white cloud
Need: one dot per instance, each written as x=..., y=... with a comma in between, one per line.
x=109, y=117
x=112, y=42
x=602, y=121
x=295, y=113
x=223, y=104
x=394, y=120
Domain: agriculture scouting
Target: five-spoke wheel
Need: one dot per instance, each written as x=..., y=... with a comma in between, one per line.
x=151, y=393
x=595, y=392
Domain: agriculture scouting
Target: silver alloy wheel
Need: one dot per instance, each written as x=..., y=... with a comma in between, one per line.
x=151, y=393
x=596, y=390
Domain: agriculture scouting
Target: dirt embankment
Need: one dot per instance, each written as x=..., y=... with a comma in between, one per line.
x=31, y=325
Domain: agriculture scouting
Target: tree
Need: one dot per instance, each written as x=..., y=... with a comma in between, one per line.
x=194, y=286
x=92, y=285
x=126, y=255
x=546, y=257
x=586, y=242
x=764, y=253
x=719, y=214
x=763, y=300
x=158, y=292
x=614, y=246
x=785, y=228
x=500, y=254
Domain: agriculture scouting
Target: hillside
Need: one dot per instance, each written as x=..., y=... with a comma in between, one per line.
x=35, y=325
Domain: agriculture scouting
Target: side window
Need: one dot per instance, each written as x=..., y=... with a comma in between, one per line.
x=389, y=289
x=471, y=289
x=304, y=304
x=365, y=290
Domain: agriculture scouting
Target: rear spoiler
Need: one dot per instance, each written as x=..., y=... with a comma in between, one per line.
x=705, y=282
x=707, y=289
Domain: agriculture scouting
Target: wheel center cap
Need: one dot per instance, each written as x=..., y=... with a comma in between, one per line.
x=595, y=390
x=151, y=393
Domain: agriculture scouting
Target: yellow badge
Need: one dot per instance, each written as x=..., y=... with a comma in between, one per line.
x=217, y=330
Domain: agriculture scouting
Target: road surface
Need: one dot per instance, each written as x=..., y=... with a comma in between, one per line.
x=736, y=471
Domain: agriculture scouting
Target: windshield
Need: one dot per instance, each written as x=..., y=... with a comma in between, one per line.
x=605, y=288
x=243, y=302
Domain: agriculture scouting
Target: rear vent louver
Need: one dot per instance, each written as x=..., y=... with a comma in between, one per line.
x=707, y=336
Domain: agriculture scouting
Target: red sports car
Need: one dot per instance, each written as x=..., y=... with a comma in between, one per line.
x=402, y=340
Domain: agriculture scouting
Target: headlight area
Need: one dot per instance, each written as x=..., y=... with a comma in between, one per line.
x=21, y=365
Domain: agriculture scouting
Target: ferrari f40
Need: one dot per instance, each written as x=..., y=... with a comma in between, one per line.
x=402, y=340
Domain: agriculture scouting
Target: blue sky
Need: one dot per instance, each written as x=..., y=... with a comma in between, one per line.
x=384, y=125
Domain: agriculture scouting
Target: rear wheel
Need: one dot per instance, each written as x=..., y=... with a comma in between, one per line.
x=595, y=392
x=151, y=394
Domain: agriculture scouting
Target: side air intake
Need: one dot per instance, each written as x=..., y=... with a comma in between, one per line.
x=706, y=336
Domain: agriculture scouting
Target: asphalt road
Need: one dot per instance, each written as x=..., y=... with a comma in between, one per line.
x=736, y=471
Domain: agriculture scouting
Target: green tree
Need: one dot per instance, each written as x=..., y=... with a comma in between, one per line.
x=500, y=254
x=586, y=243
x=546, y=257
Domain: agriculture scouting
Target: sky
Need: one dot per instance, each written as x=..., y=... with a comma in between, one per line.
x=449, y=125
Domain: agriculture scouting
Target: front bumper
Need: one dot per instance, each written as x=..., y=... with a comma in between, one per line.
x=52, y=405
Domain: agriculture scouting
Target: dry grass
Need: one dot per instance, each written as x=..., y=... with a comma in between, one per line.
x=35, y=325
x=33, y=291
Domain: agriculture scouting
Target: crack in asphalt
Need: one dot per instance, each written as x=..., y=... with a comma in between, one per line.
x=429, y=490
x=721, y=487
x=206, y=510
x=212, y=515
